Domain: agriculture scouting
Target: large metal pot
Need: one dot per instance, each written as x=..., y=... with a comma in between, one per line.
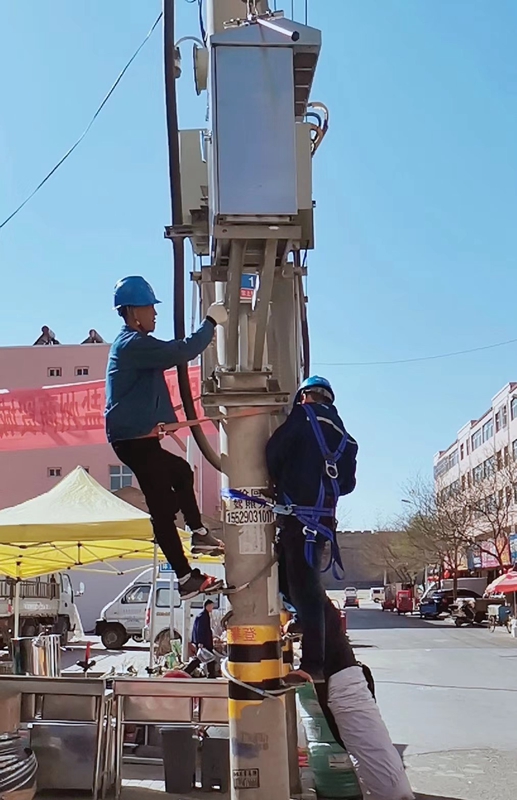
x=18, y=767
x=38, y=655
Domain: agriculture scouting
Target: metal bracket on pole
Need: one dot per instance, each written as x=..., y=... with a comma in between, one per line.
x=261, y=313
x=233, y=295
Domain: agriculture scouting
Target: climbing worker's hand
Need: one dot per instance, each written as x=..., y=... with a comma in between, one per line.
x=217, y=313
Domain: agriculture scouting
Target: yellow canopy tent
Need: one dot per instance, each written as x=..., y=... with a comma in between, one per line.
x=75, y=524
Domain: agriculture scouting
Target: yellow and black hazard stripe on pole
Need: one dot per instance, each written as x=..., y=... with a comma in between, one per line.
x=255, y=658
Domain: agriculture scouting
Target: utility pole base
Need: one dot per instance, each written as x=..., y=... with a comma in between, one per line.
x=258, y=750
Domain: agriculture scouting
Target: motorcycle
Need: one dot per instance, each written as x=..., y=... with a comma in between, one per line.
x=469, y=611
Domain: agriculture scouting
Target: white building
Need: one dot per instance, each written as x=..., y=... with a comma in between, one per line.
x=482, y=446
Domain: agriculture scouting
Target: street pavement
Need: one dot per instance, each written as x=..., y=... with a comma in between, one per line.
x=449, y=698
x=447, y=694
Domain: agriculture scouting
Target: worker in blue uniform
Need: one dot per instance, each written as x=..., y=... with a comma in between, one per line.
x=311, y=460
x=138, y=403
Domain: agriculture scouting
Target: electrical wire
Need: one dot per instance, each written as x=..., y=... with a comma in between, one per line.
x=178, y=243
x=86, y=130
x=202, y=22
x=414, y=360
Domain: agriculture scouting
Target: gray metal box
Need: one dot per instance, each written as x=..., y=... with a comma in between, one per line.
x=254, y=139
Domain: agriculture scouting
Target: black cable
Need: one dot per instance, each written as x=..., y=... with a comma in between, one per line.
x=412, y=360
x=178, y=243
x=202, y=22
x=86, y=130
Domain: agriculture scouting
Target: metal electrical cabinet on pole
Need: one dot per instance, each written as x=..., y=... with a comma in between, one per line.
x=249, y=209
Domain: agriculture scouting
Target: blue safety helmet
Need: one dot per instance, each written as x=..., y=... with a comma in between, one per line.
x=134, y=291
x=316, y=382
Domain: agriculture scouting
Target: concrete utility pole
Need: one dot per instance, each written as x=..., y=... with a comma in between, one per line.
x=257, y=213
x=254, y=213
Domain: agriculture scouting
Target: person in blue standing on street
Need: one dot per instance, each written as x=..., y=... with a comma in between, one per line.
x=311, y=461
x=137, y=404
x=203, y=636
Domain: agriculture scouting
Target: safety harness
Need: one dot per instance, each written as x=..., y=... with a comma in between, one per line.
x=311, y=516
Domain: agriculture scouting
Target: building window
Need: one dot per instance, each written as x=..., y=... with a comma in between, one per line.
x=506, y=456
x=501, y=418
x=54, y=472
x=477, y=439
x=462, y=451
x=79, y=371
x=513, y=408
x=514, y=449
x=489, y=467
x=120, y=477
x=478, y=473
x=54, y=372
x=488, y=430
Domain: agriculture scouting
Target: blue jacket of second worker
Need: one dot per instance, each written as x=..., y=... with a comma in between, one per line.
x=294, y=459
x=137, y=395
x=202, y=631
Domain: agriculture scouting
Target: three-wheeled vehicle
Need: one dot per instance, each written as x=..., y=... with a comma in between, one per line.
x=471, y=611
x=405, y=601
x=390, y=599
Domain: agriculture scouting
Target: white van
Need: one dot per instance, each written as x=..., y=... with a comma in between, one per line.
x=124, y=617
x=377, y=594
x=162, y=610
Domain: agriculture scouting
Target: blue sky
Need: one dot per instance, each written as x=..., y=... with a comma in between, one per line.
x=416, y=188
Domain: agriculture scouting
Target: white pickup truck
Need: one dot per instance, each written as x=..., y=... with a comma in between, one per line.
x=46, y=604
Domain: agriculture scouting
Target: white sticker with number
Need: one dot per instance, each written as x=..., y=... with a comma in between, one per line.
x=247, y=512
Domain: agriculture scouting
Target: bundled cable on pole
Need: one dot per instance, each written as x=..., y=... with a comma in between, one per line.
x=178, y=244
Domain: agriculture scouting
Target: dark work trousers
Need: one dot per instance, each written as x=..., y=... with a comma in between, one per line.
x=300, y=583
x=167, y=483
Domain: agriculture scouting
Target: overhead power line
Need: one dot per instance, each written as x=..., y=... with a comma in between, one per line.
x=413, y=360
x=86, y=130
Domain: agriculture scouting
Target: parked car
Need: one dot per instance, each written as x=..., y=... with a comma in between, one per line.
x=377, y=594
x=439, y=601
x=351, y=599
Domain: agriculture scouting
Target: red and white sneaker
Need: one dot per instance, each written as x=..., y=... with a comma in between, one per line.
x=198, y=583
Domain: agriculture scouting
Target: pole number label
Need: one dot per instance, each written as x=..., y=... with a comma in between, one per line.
x=246, y=779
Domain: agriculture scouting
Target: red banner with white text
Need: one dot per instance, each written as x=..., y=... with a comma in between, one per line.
x=60, y=416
